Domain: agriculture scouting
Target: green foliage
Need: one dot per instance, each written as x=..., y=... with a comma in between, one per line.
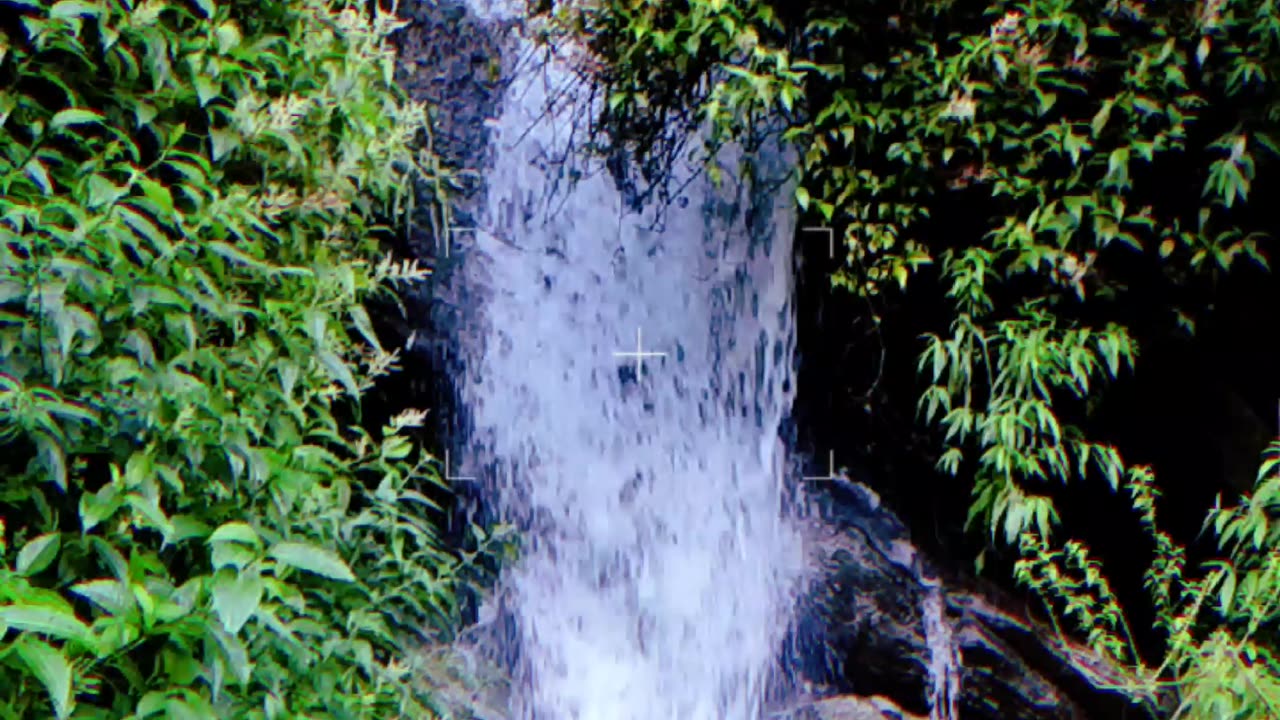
x=1016, y=107
x=1027, y=361
x=1057, y=116
x=1229, y=670
x=190, y=197
x=655, y=79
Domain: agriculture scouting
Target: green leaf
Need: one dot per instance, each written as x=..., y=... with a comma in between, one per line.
x=35, y=170
x=207, y=88
x=240, y=532
x=364, y=325
x=235, y=255
x=193, y=707
x=229, y=37
x=74, y=8
x=827, y=209
x=143, y=113
x=236, y=597
x=234, y=652
x=54, y=459
x=98, y=507
x=1074, y=144
x=222, y=142
x=144, y=227
x=103, y=192
x=1227, y=591
x=53, y=671
x=36, y=555
x=338, y=370
x=158, y=194
x=1100, y=119
x=232, y=554
x=108, y=594
x=147, y=508
x=313, y=559
x=206, y=7
x=58, y=623
x=75, y=116
x=1047, y=100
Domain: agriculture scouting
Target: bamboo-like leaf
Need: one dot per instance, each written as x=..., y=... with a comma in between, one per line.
x=363, y=324
x=158, y=194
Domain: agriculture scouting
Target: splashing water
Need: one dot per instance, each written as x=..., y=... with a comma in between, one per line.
x=659, y=565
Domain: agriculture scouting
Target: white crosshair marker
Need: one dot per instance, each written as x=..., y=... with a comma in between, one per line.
x=831, y=238
x=639, y=355
x=452, y=478
x=831, y=470
x=453, y=229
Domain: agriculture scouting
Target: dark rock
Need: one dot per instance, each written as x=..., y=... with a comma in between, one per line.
x=451, y=61
x=865, y=609
x=849, y=707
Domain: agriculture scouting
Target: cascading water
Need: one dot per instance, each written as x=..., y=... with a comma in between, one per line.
x=943, y=692
x=657, y=575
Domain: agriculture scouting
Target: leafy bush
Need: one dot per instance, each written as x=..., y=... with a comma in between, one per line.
x=189, y=204
x=1059, y=118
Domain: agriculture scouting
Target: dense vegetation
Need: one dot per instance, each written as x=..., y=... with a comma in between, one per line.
x=1111, y=152
x=193, y=522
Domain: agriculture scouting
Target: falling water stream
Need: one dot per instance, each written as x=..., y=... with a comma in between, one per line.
x=659, y=565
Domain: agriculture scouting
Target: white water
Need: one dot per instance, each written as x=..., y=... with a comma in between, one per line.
x=657, y=578
x=943, y=693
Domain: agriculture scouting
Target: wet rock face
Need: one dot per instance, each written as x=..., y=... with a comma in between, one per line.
x=851, y=707
x=451, y=61
x=864, y=623
x=447, y=60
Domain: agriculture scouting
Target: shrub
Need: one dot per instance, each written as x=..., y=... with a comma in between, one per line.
x=190, y=201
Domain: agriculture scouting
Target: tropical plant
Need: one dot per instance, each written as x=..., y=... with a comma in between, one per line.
x=191, y=524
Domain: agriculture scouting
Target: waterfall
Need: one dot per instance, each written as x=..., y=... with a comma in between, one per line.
x=625, y=379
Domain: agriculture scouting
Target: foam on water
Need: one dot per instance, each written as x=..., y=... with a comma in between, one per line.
x=659, y=567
